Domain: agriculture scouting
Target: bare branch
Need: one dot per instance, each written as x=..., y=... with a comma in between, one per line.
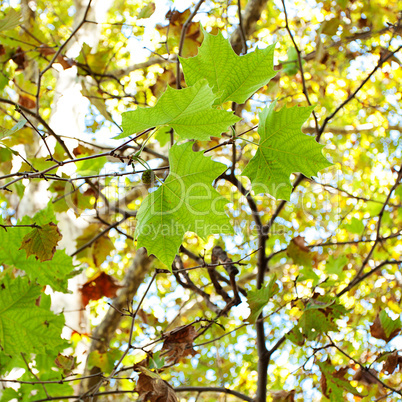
x=215, y=389
x=182, y=37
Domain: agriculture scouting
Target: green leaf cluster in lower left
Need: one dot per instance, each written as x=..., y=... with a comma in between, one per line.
x=26, y=323
x=55, y=272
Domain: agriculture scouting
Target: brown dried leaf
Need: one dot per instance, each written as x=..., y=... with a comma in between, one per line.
x=323, y=384
x=299, y=252
x=301, y=243
x=179, y=342
x=341, y=372
x=65, y=62
x=97, y=287
x=194, y=34
x=46, y=50
x=392, y=362
x=364, y=377
x=27, y=101
x=67, y=363
x=19, y=59
x=82, y=150
x=152, y=388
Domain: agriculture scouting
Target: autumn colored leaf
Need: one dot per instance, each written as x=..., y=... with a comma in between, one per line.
x=258, y=299
x=178, y=343
x=152, y=388
x=82, y=150
x=42, y=242
x=296, y=336
x=27, y=101
x=318, y=318
x=194, y=33
x=18, y=57
x=54, y=272
x=97, y=253
x=314, y=323
x=393, y=360
x=99, y=286
x=384, y=327
x=67, y=363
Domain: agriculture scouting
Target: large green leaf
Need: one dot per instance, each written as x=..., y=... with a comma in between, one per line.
x=25, y=326
x=283, y=149
x=185, y=202
x=188, y=111
x=232, y=77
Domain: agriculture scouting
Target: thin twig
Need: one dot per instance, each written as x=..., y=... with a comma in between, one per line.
x=300, y=62
x=182, y=37
x=30, y=370
x=356, y=279
x=241, y=27
x=57, y=54
x=381, y=61
x=224, y=390
x=364, y=368
x=33, y=225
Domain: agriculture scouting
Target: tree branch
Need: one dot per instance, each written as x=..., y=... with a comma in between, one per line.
x=250, y=16
x=215, y=389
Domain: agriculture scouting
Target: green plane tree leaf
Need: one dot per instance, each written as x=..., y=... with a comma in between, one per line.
x=185, y=202
x=258, y=299
x=25, y=326
x=283, y=149
x=188, y=111
x=232, y=77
